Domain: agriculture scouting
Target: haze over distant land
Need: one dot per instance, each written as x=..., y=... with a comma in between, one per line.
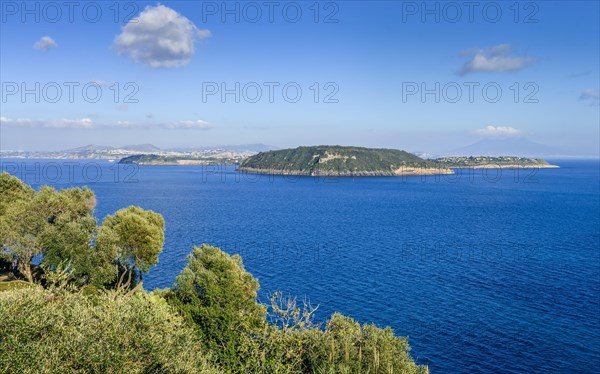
x=512, y=146
x=229, y=153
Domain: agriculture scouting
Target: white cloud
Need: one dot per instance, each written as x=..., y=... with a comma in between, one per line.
x=204, y=34
x=187, y=125
x=45, y=43
x=98, y=82
x=87, y=123
x=590, y=95
x=160, y=38
x=494, y=59
x=500, y=49
x=83, y=123
x=497, y=131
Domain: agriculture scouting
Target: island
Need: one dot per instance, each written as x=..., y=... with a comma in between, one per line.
x=152, y=159
x=494, y=162
x=335, y=160
x=340, y=161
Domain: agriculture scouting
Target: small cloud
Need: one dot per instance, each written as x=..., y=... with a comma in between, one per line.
x=149, y=115
x=83, y=123
x=98, y=82
x=500, y=50
x=591, y=96
x=497, y=131
x=123, y=124
x=187, y=125
x=493, y=59
x=204, y=34
x=45, y=43
x=160, y=38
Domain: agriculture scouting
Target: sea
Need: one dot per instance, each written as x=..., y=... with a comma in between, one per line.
x=485, y=271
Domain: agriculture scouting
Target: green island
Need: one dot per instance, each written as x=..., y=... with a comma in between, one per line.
x=152, y=159
x=72, y=300
x=358, y=161
x=340, y=161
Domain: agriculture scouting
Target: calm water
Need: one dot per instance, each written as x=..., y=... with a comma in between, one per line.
x=484, y=272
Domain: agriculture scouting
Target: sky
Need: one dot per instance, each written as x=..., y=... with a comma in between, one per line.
x=421, y=76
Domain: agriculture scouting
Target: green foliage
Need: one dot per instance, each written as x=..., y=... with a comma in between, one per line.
x=69, y=235
x=22, y=227
x=217, y=295
x=136, y=236
x=334, y=160
x=14, y=285
x=347, y=347
x=11, y=190
x=59, y=225
x=42, y=331
x=293, y=344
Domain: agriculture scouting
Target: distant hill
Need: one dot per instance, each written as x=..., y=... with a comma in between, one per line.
x=511, y=147
x=89, y=148
x=340, y=161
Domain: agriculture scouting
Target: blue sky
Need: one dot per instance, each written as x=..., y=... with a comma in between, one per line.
x=368, y=57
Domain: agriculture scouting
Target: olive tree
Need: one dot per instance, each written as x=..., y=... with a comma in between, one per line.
x=57, y=226
x=136, y=236
x=70, y=236
x=12, y=189
x=216, y=294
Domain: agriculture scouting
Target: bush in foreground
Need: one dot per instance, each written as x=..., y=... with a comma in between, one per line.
x=42, y=331
x=217, y=297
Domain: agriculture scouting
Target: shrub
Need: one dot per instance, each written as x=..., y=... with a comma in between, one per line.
x=42, y=331
x=14, y=285
x=347, y=347
x=216, y=295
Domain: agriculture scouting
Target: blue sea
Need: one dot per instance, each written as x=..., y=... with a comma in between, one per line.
x=486, y=271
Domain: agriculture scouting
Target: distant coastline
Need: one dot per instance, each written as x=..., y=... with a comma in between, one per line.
x=509, y=166
x=494, y=162
x=326, y=160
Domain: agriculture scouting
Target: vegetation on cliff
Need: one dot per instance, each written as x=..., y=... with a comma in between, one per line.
x=71, y=301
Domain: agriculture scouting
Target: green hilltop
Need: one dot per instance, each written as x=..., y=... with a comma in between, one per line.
x=340, y=161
